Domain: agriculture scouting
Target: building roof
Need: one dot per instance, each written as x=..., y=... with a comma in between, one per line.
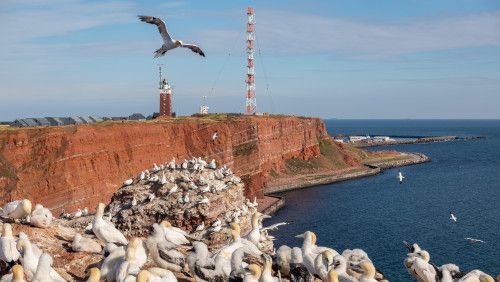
x=96, y=119
x=76, y=120
x=42, y=121
x=136, y=116
x=87, y=120
x=31, y=122
x=55, y=121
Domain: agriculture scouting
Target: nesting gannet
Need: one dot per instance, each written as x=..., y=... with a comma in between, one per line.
x=134, y=201
x=453, y=217
x=135, y=258
x=19, y=209
x=476, y=275
x=249, y=247
x=473, y=240
x=17, y=275
x=77, y=214
x=45, y=272
x=200, y=227
x=171, y=164
x=418, y=266
x=151, y=197
x=104, y=230
x=199, y=258
x=41, y=217
x=156, y=275
x=173, y=190
x=163, y=179
x=142, y=176
x=85, y=211
x=283, y=258
x=174, y=235
x=449, y=272
x=340, y=267
x=29, y=258
x=152, y=245
x=94, y=275
x=203, y=200
x=400, y=177
x=266, y=275
x=368, y=272
x=254, y=273
x=310, y=250
x=298, y=272
x=8, y=250
x=332, y=276
x=322, y=264
x=112, y=262
x=212, y=164
x=128, y=182
x=84, y=244
x=156, y=168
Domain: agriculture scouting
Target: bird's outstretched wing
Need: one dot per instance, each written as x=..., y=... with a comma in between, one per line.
x=194, y=48
x=162, y=28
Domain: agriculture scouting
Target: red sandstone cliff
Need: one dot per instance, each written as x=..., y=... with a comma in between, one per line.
x=76, y=166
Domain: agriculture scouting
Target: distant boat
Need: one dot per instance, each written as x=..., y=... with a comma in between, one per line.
x=400, y=177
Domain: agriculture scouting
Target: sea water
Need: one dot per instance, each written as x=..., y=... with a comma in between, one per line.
x=377, y=214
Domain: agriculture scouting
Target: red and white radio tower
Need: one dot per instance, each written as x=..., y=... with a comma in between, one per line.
x=251, y=101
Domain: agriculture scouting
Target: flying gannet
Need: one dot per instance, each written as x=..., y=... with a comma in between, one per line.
x=453, y=217
x=168, y=42
x=400, y=177
x=473, y=240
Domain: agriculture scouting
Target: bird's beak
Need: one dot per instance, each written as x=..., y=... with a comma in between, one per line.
x=299, y=236
x=265, y=216
x=407, y=245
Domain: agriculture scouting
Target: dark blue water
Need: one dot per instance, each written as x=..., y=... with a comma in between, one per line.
x=377, y=214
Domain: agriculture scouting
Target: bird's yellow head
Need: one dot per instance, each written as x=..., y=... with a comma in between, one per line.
x=26, y=204
x=166, y=224
x=99, y=211
x=485, y=278
x=20, y=245
x=368, y=268
x=94, y=274
x=18, y=273
x=7, y=230
x=143, y=276
x=332, y=276
x=235, y=226
x=255, y=270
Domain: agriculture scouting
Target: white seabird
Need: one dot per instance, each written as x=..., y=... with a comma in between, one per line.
x=17, y=275
x=8, y=251
x=174, y=235
x=128, y=182
x=19, y=209
x=476, y=275
x=41, y=217
x=29, y=255
x=94, y=275
x=215, y=136
x=254, y=273
x=106, y=231
x=453, y=217
x=168, y=42
x=400, y=177
x=473, y=240
x=45, y=272
x=84, y=244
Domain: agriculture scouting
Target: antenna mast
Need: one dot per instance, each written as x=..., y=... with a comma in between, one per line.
x=251, y=100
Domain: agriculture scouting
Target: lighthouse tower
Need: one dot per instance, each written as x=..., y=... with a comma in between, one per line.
x=165, y=95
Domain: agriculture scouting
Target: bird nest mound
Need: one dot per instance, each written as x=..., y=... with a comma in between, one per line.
x=194, y=196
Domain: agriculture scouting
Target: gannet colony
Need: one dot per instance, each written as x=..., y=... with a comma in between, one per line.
x=185, y=221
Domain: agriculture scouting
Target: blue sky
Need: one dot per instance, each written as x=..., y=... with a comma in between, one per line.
x=340, y=59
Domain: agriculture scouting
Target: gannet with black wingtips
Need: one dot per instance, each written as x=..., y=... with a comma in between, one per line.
x=400, y=177
x=199, y=257
x=44, y=271
x=453, y=217
x=16, y=210
x=131, y=265
x=8, y=250
x=449, y=272
x=298, y=272
x=254, y=273
x=417, y=264
x=153, y=244
x=84, y=244
x=106, y=231
x=249, y=246
x=112, y=262
x=254, y=235
x=168, y=42
x=41, y=217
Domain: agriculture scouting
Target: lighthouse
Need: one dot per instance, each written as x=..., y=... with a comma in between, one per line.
x=165, y=95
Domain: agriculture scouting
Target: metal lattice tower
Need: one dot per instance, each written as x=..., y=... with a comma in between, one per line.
x=251, y=100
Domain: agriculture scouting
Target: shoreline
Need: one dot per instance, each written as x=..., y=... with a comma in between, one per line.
x=310, y=180
x=417, y=140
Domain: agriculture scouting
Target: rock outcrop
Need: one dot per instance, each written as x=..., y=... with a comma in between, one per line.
x=72, y=167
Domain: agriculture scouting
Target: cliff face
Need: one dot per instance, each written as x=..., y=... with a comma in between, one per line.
x=75, y=166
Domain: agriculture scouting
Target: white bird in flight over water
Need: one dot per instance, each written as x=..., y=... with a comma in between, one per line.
x=168, y=42
x=401, y=177
x=472, y=240
x=453, y=217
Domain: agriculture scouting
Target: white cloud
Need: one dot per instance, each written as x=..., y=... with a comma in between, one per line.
x=285, y=33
